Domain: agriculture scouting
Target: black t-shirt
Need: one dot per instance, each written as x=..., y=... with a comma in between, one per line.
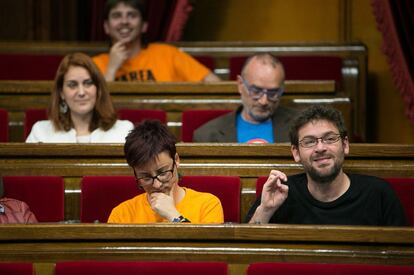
x=368, y=201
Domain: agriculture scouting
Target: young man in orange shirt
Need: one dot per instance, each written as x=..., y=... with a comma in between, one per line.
x=132, y=59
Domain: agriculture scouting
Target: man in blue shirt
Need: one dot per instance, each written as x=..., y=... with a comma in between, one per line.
x=260, y=119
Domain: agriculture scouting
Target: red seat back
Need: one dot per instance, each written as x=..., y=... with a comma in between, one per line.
x=100, y=194
x=29, y=66
x=259, y=185
x=31, y=116
x=226, y=188
x=299, y=67
x=43, y=194
x=143, y=268
x=326, y=269
x=16, y=268
x=404, y=187
x=192, y=119
x=136, y=116
x=207, y=61
x=4, y=126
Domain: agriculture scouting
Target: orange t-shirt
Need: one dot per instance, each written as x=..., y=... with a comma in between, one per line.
x=157, y=62
x=198, y=207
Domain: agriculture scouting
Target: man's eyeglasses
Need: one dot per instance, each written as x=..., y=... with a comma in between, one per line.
x=309, y=142
x=257, y=92
x=163, y=177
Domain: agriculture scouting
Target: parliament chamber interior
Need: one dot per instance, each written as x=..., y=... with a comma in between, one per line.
x=334, y=54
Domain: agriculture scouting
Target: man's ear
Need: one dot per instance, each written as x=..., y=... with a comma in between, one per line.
x=106, y=27
x=144, y=27
x=345, y=144
x=295, y=153
x=239, y=84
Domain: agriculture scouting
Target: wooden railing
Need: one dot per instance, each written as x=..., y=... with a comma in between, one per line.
x=354, y=62
x=18, y=96
x=72, y=161
x=237, y=245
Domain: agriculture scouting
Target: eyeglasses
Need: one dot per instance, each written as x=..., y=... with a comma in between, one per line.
x=309, y=142
x=163, y=177
x=257, y=92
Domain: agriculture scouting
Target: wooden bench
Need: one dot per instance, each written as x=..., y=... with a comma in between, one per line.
x=353, y=73
x=17, y=96
x=248, y=161
x=237, y=245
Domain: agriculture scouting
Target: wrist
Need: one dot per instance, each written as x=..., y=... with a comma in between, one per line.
x=180, y=219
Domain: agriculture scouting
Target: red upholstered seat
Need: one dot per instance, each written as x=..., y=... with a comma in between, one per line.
x=226, y=188
x=141, y=268
x=29, y=66
x=133, y=115
x=43, y=194
x=136, y=116
x=299, y=67
x=16, y=268
x=192, y=119
x=4, y=126
x=207, y=61
x=328, y=269
x=100, y=194
x=31, y=116
x=404, y=187
x=259, y=185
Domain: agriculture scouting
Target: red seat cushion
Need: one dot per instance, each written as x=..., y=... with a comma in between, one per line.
x=100, y=194
x=147, y=268
x=328, y=269
x=31, y=116
x=192, y=119
x=226, y=188
x=4, y=126
x=300, y=67
x=43, y=194
x=16, y=268
x=29, y=66
x=138, y=115
x=404, y=187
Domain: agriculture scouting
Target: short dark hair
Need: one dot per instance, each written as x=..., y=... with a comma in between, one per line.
x=146, y=141
x=139, y=5
x=317, y=112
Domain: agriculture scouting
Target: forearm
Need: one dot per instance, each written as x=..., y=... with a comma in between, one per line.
x=262, y=214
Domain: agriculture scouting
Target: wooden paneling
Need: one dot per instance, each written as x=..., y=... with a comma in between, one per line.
x=248, y=161
x=233, y=244
x=17, y=96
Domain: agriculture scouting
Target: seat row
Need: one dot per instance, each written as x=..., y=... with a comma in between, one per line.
x=191, y=119
x=100, y=194
x=204, y=268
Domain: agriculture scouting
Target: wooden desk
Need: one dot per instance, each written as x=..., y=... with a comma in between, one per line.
x=237, y=245
x=73, y=161
x=17, y=96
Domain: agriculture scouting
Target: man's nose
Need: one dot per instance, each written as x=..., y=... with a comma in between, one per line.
x=263, y=100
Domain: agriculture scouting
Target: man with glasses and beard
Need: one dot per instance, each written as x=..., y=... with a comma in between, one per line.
x=150, y=151
x=324, y=194
x=260, y=119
